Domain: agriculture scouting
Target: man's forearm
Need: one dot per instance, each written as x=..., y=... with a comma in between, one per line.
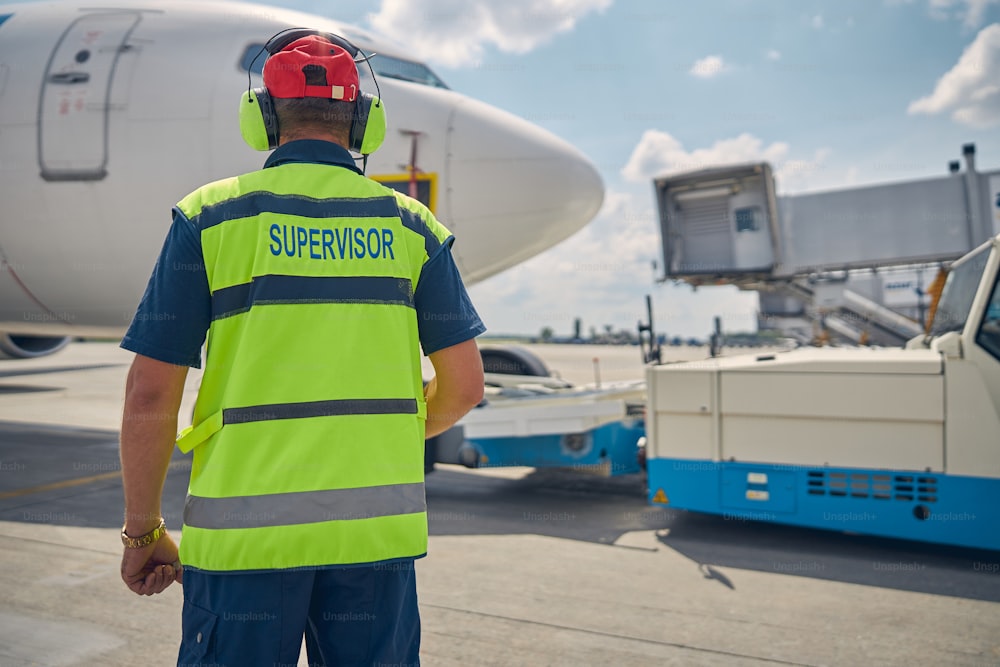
x=456, y=388
x=443, y=410
x=146, y=447
x=149, y=427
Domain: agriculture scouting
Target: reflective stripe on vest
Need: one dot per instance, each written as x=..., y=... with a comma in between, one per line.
x=285, y=509
x=191, y=437
x=270, y=290
x=250, y=204
x=308, y=434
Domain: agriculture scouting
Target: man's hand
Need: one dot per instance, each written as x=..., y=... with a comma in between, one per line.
x=152, y=568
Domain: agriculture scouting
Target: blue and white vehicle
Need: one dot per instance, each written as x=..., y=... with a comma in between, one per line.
x=542, y=421
x=901, y=443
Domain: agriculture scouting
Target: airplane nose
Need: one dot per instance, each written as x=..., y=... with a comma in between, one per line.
x=521, y=188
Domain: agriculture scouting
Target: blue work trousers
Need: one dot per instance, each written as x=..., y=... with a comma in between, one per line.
x=349, y=616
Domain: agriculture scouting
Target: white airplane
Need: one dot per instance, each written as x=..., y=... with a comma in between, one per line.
x=111, y=112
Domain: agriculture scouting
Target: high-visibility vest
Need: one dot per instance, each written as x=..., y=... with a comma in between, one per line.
x=309, y=424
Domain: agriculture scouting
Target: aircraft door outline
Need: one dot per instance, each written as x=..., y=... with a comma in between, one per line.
x=75, y=98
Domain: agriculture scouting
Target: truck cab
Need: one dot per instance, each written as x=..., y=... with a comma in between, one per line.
x=966, y=332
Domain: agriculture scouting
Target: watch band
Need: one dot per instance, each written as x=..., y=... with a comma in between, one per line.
x=144, y=540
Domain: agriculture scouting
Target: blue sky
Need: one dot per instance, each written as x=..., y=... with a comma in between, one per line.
x=832, y=93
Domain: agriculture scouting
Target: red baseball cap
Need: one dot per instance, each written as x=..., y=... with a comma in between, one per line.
x=284, y=78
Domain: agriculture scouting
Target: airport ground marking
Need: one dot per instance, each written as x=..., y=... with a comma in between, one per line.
x=79, y=481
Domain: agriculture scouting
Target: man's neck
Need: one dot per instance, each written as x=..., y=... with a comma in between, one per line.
x=315, y=137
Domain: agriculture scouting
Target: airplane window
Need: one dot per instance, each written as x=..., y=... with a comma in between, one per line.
x=406, y=70
x=959, y=292
x=989, y=332
x=387, y=66
x=253, y=51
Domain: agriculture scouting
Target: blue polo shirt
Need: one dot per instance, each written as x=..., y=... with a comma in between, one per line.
x=173, y=317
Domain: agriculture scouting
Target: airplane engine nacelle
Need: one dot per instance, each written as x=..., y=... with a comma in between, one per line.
x=15, y=346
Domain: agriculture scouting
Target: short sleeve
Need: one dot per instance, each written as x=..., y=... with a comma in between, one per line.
x=176, y=310
x=445, y=314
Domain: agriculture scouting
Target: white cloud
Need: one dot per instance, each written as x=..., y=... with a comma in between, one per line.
x=773, y=54
x=456, y=32
x=817, y=22
x=708, y=67
x=971, y=89
x=971, y=12
x=659, y=153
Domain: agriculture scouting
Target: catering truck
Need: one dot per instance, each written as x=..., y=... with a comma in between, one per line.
x=902, y=443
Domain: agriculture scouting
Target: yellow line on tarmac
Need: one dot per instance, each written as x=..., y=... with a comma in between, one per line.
x=79, y=481
x=65, y=484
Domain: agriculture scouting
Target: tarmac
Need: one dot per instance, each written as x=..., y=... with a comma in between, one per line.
x=525, y=567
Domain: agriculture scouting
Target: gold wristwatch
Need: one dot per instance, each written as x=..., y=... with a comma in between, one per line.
x=144, y=540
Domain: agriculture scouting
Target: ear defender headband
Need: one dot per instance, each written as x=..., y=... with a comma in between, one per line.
x=259, y=123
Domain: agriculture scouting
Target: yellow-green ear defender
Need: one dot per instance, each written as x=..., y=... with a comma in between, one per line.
x=368, y=126
x=258, y=123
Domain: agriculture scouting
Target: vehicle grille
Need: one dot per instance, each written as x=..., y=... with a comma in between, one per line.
x=880, y=486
